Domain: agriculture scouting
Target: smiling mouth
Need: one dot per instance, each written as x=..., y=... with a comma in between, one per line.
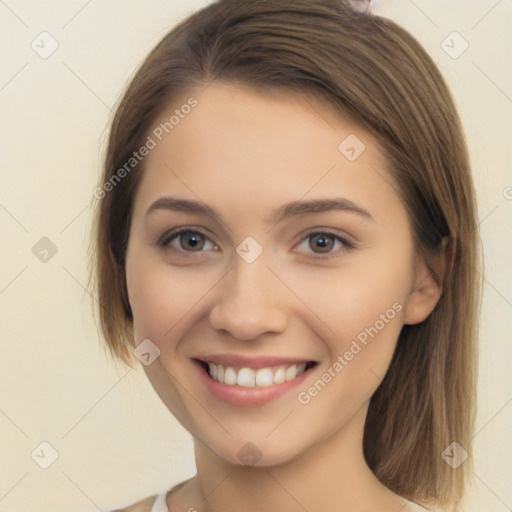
x=255, y=378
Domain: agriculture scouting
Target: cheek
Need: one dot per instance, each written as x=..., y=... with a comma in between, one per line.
x=353, y=297
x=368, y=300
x=161, y=299
x=366, y=314
x=363, y=304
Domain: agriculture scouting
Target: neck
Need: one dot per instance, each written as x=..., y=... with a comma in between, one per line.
x=331, y=475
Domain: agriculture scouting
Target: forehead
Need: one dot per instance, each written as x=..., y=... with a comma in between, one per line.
x=237, y=144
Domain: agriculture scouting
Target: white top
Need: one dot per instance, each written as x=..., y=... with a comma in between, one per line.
x=161, y=506
x=411, y=507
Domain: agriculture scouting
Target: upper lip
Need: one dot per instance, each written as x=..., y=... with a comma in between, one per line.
x=252, y=362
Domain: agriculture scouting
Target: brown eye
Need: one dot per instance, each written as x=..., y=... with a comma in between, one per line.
x=324, y=242
x=191, y=241
x=186, y=241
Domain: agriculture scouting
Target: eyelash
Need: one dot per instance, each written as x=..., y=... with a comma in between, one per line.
x=167, y=238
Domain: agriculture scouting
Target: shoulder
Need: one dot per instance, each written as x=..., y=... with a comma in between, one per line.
x=144, y=505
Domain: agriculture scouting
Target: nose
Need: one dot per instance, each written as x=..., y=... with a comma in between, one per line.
x=247, y=304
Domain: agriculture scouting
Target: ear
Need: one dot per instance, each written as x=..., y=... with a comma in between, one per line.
x=427, y=288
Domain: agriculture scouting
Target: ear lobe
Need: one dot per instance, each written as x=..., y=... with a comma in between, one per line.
x=422, y=301
x=426, y=291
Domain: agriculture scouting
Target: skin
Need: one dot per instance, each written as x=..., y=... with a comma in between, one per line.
x=245, y=153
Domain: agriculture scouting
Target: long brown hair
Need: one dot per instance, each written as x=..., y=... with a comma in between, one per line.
x=375, y=73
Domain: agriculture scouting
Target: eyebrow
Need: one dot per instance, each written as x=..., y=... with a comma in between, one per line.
x=286, y=211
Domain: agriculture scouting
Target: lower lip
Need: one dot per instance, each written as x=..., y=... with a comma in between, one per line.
x=249, y=397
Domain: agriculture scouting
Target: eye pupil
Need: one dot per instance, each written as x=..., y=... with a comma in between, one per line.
x=191, y=241
x=322, y=242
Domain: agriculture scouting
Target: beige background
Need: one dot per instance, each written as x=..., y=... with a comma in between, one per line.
x=115, y=441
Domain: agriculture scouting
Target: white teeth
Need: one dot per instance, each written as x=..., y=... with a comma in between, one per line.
x=264, y=377
x=220, y=373
x=290, y=373
x=230, y=376
x=246, y=378
x=249, y=378
x=280, y=375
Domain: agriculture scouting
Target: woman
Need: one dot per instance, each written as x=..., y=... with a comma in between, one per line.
x=286, y=240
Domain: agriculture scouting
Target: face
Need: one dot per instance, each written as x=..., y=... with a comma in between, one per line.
x=265, y=245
